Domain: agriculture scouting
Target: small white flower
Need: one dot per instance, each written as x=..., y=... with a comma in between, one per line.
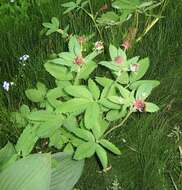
x=12, y=1
x=24, y=57
x=99, y=45
x=6, y=85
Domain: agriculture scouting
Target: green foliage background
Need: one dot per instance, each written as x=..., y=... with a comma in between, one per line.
x=150, y=159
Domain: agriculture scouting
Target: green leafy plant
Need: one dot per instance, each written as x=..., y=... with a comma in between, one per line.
x=78, y=114
x=122, y=11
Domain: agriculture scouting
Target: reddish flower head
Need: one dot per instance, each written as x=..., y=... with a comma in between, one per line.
x=119, y=60
x=126, y=44
x=81, y=40
x=99, y=46
x=79, y=60
x=139, y=105
x=104, y=7
x=134, y=67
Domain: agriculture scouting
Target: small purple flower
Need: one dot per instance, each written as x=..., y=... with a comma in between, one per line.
x=6, y=85
x=24, y=57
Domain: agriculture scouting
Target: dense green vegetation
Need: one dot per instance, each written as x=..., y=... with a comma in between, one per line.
x=150, y=157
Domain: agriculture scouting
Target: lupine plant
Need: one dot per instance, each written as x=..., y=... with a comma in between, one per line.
x=81, y=111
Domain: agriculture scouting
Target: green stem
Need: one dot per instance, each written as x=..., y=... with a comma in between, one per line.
x=76, y=81
x=119, y=125
x=93, y=20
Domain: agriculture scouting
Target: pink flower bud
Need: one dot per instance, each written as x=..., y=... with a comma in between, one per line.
x=104, y=7
x=79, y=60
x=81, y=40
x=139, y=105
x=99, y=46
x=134, y=67
x=119, y=60
x=126, y=44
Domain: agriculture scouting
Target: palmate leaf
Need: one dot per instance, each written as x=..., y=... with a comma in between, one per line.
x=110, y=65
x=103, y=81
x=85, y=150
x=92, y=114
x=52, y=27
x=111, y=147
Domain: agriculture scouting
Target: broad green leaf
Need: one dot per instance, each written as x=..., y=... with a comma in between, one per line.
x=74, y=46
x=108, y=145
x=91, y=56
x=99, y=129
x=110, y=65
x=69, y=4
x=46, y=129
x=103, y=81
x=114, y=115
x=66, y=173
x=102, y=155
x=109, y=18
x=108, y=104
x=113, y=51
x=30, y=173
x=87, y=69
x=55, y=22
x=56, y=140
x=136, y=84
x=151, y=107
x=58, y=71
x=62, y=62
x=125, y=4
x=68, y=149
x=34, y=95
x=54, y=94
x=43, y=115
x=81, y=133
x=85, y=150
x=94, y=89
x=123, y=78
x=116, y=99
x=143, y=67
x=92, y=114
x=6, y=154
x=143, y=91
x=123, y=91
x=70, y=9
x=78, y=91
x=27, y=140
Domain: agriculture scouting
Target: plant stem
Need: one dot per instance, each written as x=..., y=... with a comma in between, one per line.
x=119, y=125
x=93, y=20
x=76, y=81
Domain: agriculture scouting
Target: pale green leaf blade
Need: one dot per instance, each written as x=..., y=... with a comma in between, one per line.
x=111, y=147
